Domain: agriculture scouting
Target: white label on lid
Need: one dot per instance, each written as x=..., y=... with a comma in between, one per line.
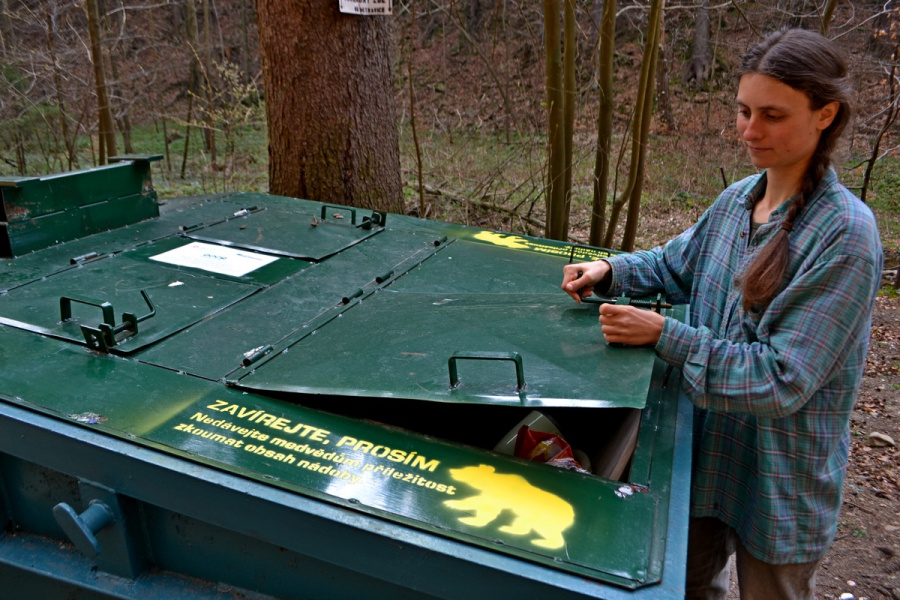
x=216, y=259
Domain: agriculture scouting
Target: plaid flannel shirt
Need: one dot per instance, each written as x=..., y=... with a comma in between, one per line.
x=773, y=389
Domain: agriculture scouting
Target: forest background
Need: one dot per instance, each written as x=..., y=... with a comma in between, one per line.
x=184, y=80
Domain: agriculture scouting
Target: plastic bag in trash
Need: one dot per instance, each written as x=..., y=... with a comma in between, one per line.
x=543, y=447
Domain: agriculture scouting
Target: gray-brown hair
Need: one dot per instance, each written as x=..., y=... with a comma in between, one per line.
x=809, y=63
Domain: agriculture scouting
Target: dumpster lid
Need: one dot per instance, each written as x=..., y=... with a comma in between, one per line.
x=515, y=349
x=128, y=301
x=455, y=329
x=295, y=232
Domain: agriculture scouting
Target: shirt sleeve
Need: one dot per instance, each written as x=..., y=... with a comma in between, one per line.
x=668, y=269
x=819, y=321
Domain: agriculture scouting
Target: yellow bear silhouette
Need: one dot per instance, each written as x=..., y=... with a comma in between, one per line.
x=535, y=510
x=499, y=239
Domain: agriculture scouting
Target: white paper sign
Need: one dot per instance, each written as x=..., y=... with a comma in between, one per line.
x=217, y=259
x=366, y=7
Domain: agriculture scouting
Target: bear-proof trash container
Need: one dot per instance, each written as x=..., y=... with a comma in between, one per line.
x=251, y=396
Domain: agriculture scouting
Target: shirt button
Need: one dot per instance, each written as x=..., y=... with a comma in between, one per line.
x=742, y=234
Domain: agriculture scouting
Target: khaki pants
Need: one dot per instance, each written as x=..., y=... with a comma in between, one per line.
x=711, y=543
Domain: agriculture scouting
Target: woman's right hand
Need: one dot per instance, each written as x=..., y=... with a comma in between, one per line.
x=579, y=279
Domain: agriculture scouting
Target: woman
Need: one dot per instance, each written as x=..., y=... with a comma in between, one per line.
x=781, y=275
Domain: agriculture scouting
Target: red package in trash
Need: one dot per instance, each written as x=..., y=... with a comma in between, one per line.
x=543, y=447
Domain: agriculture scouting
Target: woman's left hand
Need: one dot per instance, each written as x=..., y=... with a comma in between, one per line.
x=623, y=324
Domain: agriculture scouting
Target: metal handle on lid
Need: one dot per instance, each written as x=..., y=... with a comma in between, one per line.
x=515, y=357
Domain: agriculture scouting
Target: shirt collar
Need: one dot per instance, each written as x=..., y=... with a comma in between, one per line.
x=759, y=188
x=755, y=192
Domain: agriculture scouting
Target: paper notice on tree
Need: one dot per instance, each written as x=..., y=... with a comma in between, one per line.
x=366, y=7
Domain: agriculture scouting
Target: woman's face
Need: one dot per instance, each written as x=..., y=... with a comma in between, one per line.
x=777, y=125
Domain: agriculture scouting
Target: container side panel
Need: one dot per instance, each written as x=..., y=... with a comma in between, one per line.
x=535, y=512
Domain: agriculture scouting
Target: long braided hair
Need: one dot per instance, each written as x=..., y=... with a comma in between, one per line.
x=809, y=63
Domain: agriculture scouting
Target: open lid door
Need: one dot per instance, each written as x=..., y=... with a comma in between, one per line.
x=478, y=323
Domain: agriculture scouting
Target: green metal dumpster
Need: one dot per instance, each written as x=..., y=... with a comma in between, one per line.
x=251, y=396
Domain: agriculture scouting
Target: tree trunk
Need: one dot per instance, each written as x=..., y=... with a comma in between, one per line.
x=604, y=122
x=329, y=104
x=556, y=139
x=827, y=15
x=596, y=21
x=192, y=31
x=246, y=50
x=7, y=38
x=68, y=142
x=664, y=107
x=476, y=16
x=207, y=68
x=411, y=50
x=701, y=52
x=123, y=121
x=194, y=76
x=106, y=127
x=642, y=124
x=21, y=164
x=569, y=51
x=890, y=116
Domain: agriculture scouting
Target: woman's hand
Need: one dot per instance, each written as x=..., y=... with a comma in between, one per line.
x=579, y=279
x=623, y=324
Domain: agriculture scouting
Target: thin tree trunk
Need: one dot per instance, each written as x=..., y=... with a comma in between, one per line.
x=21, y=164
x=664, y=107
x=889, y=117
x=7, y=36
x=245, y=40
x=569, y=50
x=412, y=108
x=192, y=31
x=106, y=127
x=153, y=32
x=556, y=191
x=57, y=83
x=165, y=131
x=701, y=54
x=604, y=122
x=194, y=75
x=124, y=121
x=187, y=129
x=207, y=69
x=645, y=105
x=827, y=15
